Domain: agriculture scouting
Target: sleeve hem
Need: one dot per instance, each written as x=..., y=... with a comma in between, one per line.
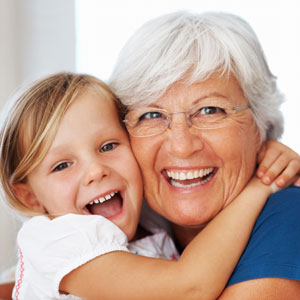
x=74, y=264
x=266, y=271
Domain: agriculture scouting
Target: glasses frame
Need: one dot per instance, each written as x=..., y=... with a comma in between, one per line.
x=169, y=119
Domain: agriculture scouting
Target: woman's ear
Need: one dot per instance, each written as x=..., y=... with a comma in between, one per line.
x=25, y=195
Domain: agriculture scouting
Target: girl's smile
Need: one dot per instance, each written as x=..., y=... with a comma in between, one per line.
x=83, y=173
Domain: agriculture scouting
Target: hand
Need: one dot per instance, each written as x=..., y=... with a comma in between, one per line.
x=279, y=162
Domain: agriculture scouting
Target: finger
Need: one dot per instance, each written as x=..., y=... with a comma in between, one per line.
x=288, y=173
x=271, y=166
x=297, y=182
x=274, y=187
x=261, y=153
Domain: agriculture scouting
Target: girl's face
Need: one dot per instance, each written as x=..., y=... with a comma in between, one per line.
x=89, y=168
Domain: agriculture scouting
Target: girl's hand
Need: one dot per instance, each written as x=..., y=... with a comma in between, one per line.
x=279, y=162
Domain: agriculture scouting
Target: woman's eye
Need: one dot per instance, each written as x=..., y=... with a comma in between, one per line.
x=151, y=115
x=61, y=166
x=210, y=110
x=108, y=147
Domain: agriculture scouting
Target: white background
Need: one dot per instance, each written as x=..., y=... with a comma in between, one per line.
x=102, y=28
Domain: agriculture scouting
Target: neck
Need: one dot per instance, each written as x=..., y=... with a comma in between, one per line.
x=184, y=235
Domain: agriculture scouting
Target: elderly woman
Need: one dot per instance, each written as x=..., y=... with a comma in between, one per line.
x=201, y=101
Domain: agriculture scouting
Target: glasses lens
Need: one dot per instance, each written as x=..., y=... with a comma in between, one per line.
x=146, y=121
x=209, y=114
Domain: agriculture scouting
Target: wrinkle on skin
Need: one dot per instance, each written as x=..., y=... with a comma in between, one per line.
x=231, y=149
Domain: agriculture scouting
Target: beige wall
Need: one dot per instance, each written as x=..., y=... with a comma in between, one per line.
x=9, y=77
x=37, y=37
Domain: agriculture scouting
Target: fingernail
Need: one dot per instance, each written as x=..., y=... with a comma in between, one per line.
x=260, y=173
x=267, y=180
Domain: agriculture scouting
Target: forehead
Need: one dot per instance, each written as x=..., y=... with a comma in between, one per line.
x=90, y=109
x=181, y=94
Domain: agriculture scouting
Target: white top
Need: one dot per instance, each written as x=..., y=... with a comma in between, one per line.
x=50, y=249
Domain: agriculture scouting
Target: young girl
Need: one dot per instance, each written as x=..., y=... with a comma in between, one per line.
x=67, y=161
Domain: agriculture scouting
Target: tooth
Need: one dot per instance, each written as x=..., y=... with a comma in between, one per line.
x=182, y=176
x=107, y=197
x=91, y=203
x=189, y=175
x=102, y=199
x=112, y=194
x=96, y=201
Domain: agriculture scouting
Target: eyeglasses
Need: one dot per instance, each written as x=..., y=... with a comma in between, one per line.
x=209, y=114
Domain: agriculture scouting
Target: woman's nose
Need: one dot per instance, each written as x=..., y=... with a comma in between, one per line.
x=95, y=171
x=183, y=140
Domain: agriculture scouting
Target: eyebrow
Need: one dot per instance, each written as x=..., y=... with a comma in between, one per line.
x=213, y=94
x=196, y=101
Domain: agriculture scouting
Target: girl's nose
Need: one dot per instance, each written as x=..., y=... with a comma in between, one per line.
x=95, y=171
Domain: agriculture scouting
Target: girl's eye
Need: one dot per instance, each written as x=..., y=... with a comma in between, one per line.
x=108, y=147
x=62, y=166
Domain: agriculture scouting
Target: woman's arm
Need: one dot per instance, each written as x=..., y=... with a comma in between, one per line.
x=263, y=289
x=200, y=273
x=269, y=267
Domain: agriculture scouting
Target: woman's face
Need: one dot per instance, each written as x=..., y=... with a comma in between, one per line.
x=227, y=155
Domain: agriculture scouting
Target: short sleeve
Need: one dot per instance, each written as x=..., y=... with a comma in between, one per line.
x=274, y=246
x=50, y=249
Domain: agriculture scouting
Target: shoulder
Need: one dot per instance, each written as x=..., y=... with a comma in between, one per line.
x=274, y=246
x=49, y=236
x=263, y=289
x=287, y=199
x=50, y=249
x=283, y=207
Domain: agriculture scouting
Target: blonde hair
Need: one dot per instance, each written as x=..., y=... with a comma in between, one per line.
x=31, y=121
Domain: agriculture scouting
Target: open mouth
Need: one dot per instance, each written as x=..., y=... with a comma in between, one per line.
x=107, y=206
x=190, y=178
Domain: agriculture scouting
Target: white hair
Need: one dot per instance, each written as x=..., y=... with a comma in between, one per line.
x=191, y=47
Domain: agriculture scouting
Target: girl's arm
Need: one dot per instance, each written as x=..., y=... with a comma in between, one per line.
x=206, y=264
x=201, y=272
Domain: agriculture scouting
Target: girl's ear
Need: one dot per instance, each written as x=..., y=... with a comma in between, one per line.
x=25, y=195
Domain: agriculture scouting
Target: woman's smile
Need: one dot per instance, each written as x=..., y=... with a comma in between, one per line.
x=190, y=174
x=188, y=179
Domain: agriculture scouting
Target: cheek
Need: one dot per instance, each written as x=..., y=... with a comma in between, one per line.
x=51, y=192
x=235, y=143
x=129, y=170
x=144, y=152
x=237, y=149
